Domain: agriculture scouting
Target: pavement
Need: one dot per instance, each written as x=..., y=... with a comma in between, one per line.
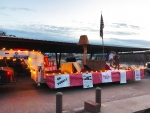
x=134, y=104
x=130, y=105
x=25, y=97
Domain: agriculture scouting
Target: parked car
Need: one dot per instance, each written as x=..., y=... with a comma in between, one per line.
x=6, y=75
x=147, y=67
x=70, y=59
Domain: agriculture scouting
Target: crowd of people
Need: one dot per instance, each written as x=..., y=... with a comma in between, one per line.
x=114, y=60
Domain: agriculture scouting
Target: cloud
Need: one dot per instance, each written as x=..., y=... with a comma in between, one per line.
x=121, y=33
x=124, y=25
x=123, y=29
x=67, y=38
x=123, y=42
x=119, y=25
x=72, y=34
x=16, y=9
x=39, y=36
x=134, y=27
x=4, y=14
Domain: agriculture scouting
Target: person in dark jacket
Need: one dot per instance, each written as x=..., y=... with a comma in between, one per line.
x=117, y=61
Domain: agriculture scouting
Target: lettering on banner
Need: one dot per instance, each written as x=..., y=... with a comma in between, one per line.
x=106, y=77
x=21, y=54
x=58, y=78
x=62, y=80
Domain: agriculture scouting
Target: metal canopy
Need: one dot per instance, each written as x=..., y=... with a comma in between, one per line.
x=60, y=47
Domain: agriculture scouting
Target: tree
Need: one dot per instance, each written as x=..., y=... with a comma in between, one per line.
x=3, y=33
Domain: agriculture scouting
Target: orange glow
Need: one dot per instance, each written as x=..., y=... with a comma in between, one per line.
x=4, y=48
x=14, y=59
x=29, y=59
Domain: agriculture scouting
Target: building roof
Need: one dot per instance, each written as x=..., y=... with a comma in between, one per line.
x=60, y=47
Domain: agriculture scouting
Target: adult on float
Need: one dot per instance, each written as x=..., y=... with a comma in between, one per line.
x=117, y=61
x=111, y=58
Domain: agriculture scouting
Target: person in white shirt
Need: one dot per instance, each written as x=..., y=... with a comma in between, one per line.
x=111, y=58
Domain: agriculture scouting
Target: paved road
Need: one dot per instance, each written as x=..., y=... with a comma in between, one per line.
x=24, y=96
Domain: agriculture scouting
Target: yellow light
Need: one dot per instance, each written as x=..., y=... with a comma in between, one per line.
x=29, y=59
x=4, y=48
x=8, y=58
x=14, y=59
x=34, y=72
x=32, y=50
x=10, y=49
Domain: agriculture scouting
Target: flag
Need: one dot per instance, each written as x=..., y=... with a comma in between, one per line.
x=101, y=26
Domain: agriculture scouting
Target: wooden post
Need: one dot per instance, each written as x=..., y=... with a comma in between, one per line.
x=58, y=102
x=98, y=95
x=84, y=55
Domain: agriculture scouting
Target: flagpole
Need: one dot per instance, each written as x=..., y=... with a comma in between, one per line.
x=103, y=47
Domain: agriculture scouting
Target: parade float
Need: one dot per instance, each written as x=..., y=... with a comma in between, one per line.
x=70, y=74
x=91, y=72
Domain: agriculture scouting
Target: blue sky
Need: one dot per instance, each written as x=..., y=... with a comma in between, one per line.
x=126, y=22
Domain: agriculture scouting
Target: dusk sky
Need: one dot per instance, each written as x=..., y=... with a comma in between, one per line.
x=126, y=22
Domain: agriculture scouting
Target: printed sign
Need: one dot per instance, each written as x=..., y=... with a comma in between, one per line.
x=62, y=80
x=137, y=74
x=106, y=77
x=87, y=80
x=21, y=54
x=123, y=76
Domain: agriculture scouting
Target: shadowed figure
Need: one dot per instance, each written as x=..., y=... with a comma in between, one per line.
x=117, y=61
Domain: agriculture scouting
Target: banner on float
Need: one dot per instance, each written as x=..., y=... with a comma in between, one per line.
x=87, y=80
x=123, y=78
x=137, y=74
x=62, y=80
x=106, y=77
